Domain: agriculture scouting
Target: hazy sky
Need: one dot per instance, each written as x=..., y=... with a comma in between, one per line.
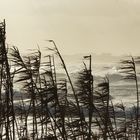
x=77, y=26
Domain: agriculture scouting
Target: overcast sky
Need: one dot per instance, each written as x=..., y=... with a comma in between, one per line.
x=77, y=26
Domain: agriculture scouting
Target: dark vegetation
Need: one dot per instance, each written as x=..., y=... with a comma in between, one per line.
x=58, y=108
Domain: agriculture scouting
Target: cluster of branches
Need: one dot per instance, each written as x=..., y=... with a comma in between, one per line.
x=51, y=108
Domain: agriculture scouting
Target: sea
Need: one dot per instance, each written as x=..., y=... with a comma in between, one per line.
x=121, y=90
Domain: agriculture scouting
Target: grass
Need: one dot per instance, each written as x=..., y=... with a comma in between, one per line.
x=50, y=113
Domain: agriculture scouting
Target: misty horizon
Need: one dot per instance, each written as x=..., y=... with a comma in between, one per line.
x=110, y=26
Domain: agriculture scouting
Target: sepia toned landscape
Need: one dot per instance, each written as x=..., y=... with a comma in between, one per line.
x=69, y=70
x=43, y=100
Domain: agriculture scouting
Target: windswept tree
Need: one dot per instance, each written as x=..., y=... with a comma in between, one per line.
x=128, y=68
x=85, y=92
x=27, y=70
x=6, y=87
x=80, y=112
x=104, y=109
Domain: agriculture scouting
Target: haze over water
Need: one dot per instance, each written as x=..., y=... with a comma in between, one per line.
x=77, y=26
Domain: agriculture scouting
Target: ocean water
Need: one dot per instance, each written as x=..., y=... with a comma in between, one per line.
x=120, y=90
